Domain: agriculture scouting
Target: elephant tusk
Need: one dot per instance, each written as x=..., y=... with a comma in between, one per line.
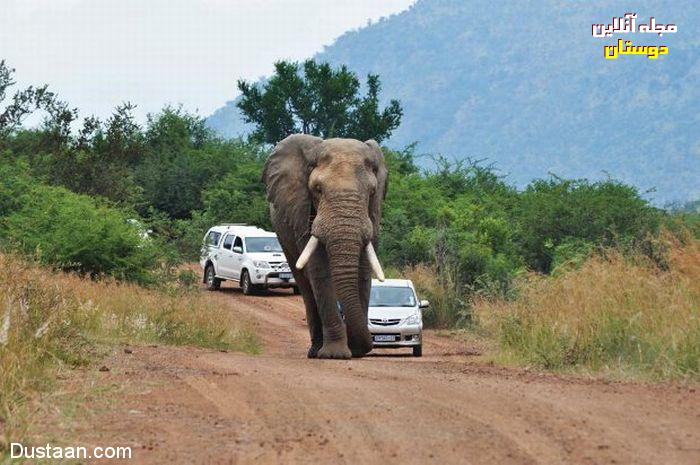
x=306, y=253
x=374, y=262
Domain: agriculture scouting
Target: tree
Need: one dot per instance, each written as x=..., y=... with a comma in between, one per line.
x=26, y=101
x=323, y=101
x=559, y=212
x=99, y=160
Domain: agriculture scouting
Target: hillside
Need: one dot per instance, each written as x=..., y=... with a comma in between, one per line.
x=525, y=86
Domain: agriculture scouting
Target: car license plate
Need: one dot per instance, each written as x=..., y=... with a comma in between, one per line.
x=384, y=338
x=285, y=275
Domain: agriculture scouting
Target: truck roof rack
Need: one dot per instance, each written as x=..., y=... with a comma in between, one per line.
x=234, y=224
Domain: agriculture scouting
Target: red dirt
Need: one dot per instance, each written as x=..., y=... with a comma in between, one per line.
x=185, y=405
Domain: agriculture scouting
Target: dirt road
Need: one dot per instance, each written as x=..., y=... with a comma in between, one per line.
x=180, y=405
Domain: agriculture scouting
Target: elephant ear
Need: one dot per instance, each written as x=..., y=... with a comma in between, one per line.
x=375, y=209
x=286, y=176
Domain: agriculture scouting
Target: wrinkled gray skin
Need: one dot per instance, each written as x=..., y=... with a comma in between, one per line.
x=334, y=190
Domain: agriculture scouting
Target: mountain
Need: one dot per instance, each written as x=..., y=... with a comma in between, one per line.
x=525, y=86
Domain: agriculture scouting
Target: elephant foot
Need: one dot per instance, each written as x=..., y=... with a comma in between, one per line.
x=360, y=348
x=313, y=350
x=335, y=350
x=359, y=354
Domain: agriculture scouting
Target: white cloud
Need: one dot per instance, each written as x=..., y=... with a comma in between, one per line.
x=98, y=53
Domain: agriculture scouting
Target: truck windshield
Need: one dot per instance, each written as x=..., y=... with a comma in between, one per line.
x=262, y=244
x=386, y=296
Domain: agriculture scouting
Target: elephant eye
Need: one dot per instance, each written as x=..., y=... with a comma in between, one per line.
x=371, y=166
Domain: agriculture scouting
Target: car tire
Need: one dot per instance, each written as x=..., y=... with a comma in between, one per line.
x=418, y=351
x=246, y=285
x=212, y=282
x=296, y=290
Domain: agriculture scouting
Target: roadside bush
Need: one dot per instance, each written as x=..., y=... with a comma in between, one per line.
x=187, y=278
x=454, y=220
x=14, y=183
x=570, y=254
x=552, y=212
x=239, y=197
x=78, y=233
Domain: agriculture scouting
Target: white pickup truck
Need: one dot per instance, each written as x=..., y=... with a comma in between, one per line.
x=247, y=254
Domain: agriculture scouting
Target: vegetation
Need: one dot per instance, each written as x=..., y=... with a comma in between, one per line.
x=24, y=102
x=613, y=314
x=73, y=321
x=324, y=102
x=484, y=232
x=72, y=231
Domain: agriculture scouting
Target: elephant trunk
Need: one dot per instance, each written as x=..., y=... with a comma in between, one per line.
x=344, y=263
x=342, y=224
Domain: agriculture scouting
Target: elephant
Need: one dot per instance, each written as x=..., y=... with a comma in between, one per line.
x=325, y=199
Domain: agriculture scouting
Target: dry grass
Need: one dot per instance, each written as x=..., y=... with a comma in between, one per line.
x=617, y=315
x=449, y=308
x=50, y=320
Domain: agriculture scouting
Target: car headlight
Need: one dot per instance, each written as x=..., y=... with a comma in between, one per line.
x=414, y=319
x=261, y=264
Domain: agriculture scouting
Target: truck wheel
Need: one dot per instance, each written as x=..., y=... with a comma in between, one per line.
x=213, y=283
x=418, y=351
x=296, y=290
x=246, y=285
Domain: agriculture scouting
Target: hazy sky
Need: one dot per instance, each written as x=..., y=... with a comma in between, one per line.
x=98, y=53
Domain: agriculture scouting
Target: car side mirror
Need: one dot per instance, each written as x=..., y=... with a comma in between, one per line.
x=424, y=304
x=238, y=249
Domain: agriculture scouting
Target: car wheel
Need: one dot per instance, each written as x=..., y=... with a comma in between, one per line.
x=246, y=285
x=296, y=290
x=418, y=351
x=213, y=283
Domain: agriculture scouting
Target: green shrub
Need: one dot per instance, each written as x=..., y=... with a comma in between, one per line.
x=239, y=197
x=570, y=254
x=553, y=211
x=78, y=233
x=14, y=183
x=187, y=278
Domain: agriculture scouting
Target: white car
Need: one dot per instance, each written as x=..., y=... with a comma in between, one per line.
x=395, y=316
x=247, y=254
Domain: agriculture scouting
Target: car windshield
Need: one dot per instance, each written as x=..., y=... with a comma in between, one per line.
x=262, y=244
x=386, y=296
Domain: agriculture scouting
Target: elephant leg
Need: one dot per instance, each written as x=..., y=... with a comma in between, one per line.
x=291, y=251
x=312, y=316
x=335, y=341
x=364, y=286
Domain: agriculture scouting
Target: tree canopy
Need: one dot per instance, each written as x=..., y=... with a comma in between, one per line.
x=26, y=101
x=315, y=98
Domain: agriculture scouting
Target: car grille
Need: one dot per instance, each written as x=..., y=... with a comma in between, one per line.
x=280, y=266
x=385, y=322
